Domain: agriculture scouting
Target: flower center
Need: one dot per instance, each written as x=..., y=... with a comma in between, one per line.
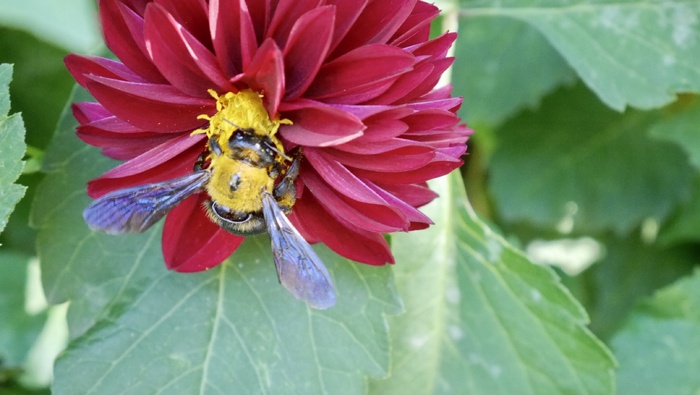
x=240, y=111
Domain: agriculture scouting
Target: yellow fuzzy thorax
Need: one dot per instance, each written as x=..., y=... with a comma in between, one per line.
x=242, y=110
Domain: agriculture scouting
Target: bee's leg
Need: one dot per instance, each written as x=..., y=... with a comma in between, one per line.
x=286, y=192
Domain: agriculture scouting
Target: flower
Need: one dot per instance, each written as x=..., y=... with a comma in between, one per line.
x=355, y=79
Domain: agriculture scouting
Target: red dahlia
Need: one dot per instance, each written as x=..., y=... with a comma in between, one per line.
x=352, y=80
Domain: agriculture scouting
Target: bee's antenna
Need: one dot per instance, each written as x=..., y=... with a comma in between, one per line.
x=285, y=157
x=233, y=124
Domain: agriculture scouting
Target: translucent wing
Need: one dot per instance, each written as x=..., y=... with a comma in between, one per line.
x=299, y=269
x=133, y=210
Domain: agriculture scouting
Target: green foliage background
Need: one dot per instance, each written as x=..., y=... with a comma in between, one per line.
x=587, y=126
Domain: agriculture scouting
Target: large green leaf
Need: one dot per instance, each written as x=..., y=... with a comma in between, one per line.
x=631, y=269
x=19, y=328
x=683, y=227
x=577, y=161
x=501, y=66
x=232, y=328
x=481, y=319
x=69, y=24
x=12, y=148
x=632, y=52
x=658, y=347
x=683, y=129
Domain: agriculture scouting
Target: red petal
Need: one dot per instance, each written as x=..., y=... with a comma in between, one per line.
x=286, y=13
x=411, y=213
x=86, y=112
x=318, y=125
x=416, y=28
x=366, y=71
x=265, y=74
x=340, y=178
x=404, y=84
x=233, y=34
x=154, y=166
x=185, y=62
x=409, y=147
x=121, y=146
x=307, y=48
x=414, y=194
x=347, y=12
x=160, y=108
x=191, y=242
x=371, y=217
x=79, y=66
x=123, y=31
x=381, y=130
x=346, y=240
x=442, y=165
x=393, y=161
x=378, y=22
x=193, y=15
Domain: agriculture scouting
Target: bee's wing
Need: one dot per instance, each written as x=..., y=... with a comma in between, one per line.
x=133, y=210
x=299, y=269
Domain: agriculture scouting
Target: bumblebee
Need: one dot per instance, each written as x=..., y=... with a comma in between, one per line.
x=250, y=189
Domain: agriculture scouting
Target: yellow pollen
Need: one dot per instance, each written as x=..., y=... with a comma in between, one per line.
x=242, y=110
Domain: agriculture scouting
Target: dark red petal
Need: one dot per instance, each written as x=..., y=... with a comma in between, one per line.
x=432, y=119
x=307, y=48
x=438, y=67
x=160, y=108
x=442, y=165
x=265, y=74
x=347, y=12
x=233, y=34
x=399, y=90
x=79, y=66
x=346, y=240
x=153, y=166
x=409, y=147
x=185, y=62
x=340, y=178
x=436, y=48
x=137, y=5
x=377, y=23
x=86, y=112
x=120, y=146
x=123, y=31
x=317, y=124
x=381, y=130
x=192, y=242
x=372, y=217
x=371, y=68
x=286, y=13
x=410, y=212
x=416, y=195
x=417, y=26
x=394, y=161
x=192, y=15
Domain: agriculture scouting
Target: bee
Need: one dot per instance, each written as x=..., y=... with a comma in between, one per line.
x=250, y=189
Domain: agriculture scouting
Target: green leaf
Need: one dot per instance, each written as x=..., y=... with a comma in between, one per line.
x=635, y=52
x=683, y=227
x=658, y=347
x=683, y=129
x=12, y=149
x=19, y=328
x=631, y=270
x=69, y=24
x=501, y=66
x=232, y=327
x=577, y=162
x=480, y=318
